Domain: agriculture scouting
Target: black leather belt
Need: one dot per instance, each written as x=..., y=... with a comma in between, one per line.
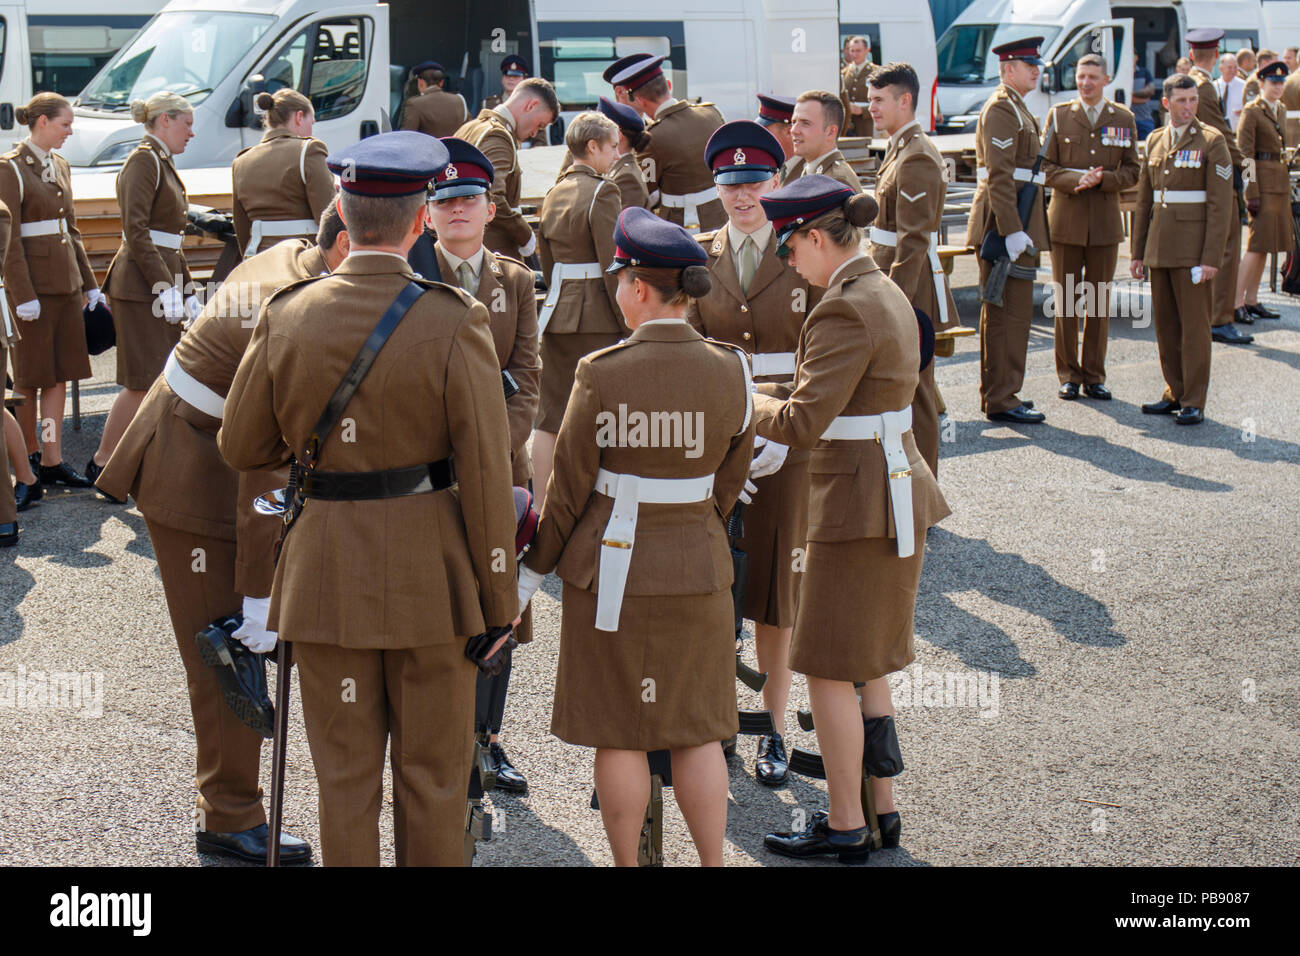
x=390, y=483
x=1268, y=157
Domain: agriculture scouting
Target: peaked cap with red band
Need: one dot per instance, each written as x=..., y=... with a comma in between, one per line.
x=389, y=164
x=467, y=173
x=643, y=239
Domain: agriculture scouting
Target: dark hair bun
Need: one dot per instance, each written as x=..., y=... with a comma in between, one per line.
x=696, y=281
x=265, y=101
x=861, y=210
x=20, y=114
x=640, y=141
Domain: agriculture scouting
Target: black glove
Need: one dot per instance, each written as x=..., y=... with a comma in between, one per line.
x=1252, y=206
x=489, y=650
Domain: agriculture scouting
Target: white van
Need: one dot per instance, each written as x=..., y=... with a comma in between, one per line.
x=1281, y=25
x=968, y=71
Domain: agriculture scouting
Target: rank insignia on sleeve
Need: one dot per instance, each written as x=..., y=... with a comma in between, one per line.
x=911, y=198
x=1003, y=143
x=1225, y=172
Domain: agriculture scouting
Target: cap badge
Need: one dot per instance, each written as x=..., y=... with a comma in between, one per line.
x=739, y=157
x=451, y=172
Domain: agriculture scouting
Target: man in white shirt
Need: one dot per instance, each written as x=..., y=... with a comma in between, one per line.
x=1230, y=88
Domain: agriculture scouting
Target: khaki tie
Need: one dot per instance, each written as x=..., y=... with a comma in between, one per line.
x=748, y=262
x=465, y=276
x=1092, y=116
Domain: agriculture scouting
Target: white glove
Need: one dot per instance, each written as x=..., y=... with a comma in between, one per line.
x=94, y=297
x=29, y=311
x=747, y=493
x=1017, y=243
x=172, y=305
x=192, y=307
x=770, y=457
x=529, y=582
x=253, y=632
x=530, y=248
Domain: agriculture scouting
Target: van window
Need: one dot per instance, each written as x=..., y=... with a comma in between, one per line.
x=327, y=62
x=1090, y=41
x=869, y=30
x=963, y=50
x=574, y=55
x=67, y=51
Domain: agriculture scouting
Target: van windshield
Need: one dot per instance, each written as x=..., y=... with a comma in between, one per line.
x=963, y=50
x=188, y=52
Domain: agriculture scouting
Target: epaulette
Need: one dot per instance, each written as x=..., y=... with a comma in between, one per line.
x=746, y=367
x=465, y=297
x=296, y=283
x=704, y=238
x=608, y=349
x=511, y=259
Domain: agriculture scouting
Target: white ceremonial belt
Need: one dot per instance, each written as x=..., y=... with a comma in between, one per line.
x=190, y=390
x=10, y=331
x=170, y=240
x=43, y=227
x=562, y=272
x=277, y=228
x=1021, y=174
x=628, y=492
x=1293, y=114
x=691, y=202
x=887, y=428
x=1182, y=195
x=772, y=363
x=883, y=237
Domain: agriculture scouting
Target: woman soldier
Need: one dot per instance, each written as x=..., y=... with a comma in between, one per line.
x=633, y=524
x=759, y=305
x=46, y=272
x=632, y=139
x=281, y=185
x=1260, y=135
x=148, y=277
x=575, y=240
x=872, y=498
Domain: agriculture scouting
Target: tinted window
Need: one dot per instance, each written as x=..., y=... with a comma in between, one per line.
x=67, y=51
x=574, y=55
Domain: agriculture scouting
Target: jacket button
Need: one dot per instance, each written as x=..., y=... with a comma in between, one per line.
x=744, y=308
x=746, y=336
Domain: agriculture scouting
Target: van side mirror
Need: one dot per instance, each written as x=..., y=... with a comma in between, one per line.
x=1119, y=96
x=1047, y=80
x=556, y=134
x=243, y=111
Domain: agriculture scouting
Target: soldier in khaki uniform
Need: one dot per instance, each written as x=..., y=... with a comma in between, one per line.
x=814, y=128
x=1006, y=145
x=910, y=191
x=681, y=188
x=1291, y=100
x=1184, y=203
x=191, y=499
x=1203, y=47
x=776, y=113
x=1262, y=143
x=380, y=635
x=514, y=70
x=281, y=185
x=434, y=110
x=1091, y=158
x=497, y=133
x=8, y=336
x=855, y=80
x=633, y=526
x=46, y=273
x=626, y=172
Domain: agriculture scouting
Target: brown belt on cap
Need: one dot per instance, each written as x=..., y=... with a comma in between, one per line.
x=1268, y=157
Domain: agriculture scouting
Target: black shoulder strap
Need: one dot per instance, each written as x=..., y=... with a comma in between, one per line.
x=357, y=371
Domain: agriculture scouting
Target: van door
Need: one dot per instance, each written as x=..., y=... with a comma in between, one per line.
x=15, y=72
x=1112, y=40
x=340, y=62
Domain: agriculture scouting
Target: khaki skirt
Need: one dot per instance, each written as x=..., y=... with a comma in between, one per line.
x=143, y=342
x=776, y=531
x=53, y=348
x=856, y=606
x=665, y=679
x=1271, y=230
x=561, y=353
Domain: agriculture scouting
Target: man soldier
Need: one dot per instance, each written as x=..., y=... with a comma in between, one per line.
x=621, y=92
x=910, y=191
x=194, y=503
x=681, y=186
x=814, y=129
x=854, y=88
x=514, y=70
x=1091, y=158
x=1203, y=47
x=1246, y=66
x=434, y=110
x=1184, y=204
x=1006, y=145
x=1291, y=100
x=403, y=541
x=497, y=133
x=460, y=210
x=777, y=113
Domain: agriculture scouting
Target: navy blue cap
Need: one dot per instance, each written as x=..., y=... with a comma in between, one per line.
x=1025, y=49
x=626, y=118
x=467, y=173
x=1204, y=38
x=514, y=65
x=389, y=164
x=621, y=64
x=742, y=152
x=427, y=65
x=643, y=239
x=799, y=203
x=1275, y=71
x=774, y=109
x=639, y=73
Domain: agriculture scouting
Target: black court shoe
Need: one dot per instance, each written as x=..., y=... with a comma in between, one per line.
x=26, y=495
x=251, y=845
x=93, y=471
x=1068, y=391
x=1189, y=415
x=1243, y=315
x=1098, y=391
x=62, y=474
x=1262, y=312
x=818, y=839
x=891, y=828
x=508, y=778
x=773, y=763
x=8, y=534
x=1230, y=334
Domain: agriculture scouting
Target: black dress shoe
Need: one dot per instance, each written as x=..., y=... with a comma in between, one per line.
x=1020, y=415
x=34, y=459
x=1190, y=415
x=8, y=534
x=1069, y=391
x=1262, y=312
x=818, y=839
x=508, y=778
x=62, y=474
x=1243, y=315
x=26, y=495
x=251, y=845
x=1231, y=334
x=773, y=763
x=1028, y=403
x=241, y=673
x=93, y=471
x=1166, y=406
x=891, y=827
x=1098, y=391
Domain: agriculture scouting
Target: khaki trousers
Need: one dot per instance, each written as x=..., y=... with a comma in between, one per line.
x=1004, y=342
x=1072, y=267
x=1182, y=320
x=1225, y=280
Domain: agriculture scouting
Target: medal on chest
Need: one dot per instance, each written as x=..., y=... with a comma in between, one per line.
x=1188, y=159
x=1116, y=136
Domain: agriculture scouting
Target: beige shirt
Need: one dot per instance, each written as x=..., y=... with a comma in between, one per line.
x=475, y=264
x=161, y=145
x=761, y=236
x=507, y=116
